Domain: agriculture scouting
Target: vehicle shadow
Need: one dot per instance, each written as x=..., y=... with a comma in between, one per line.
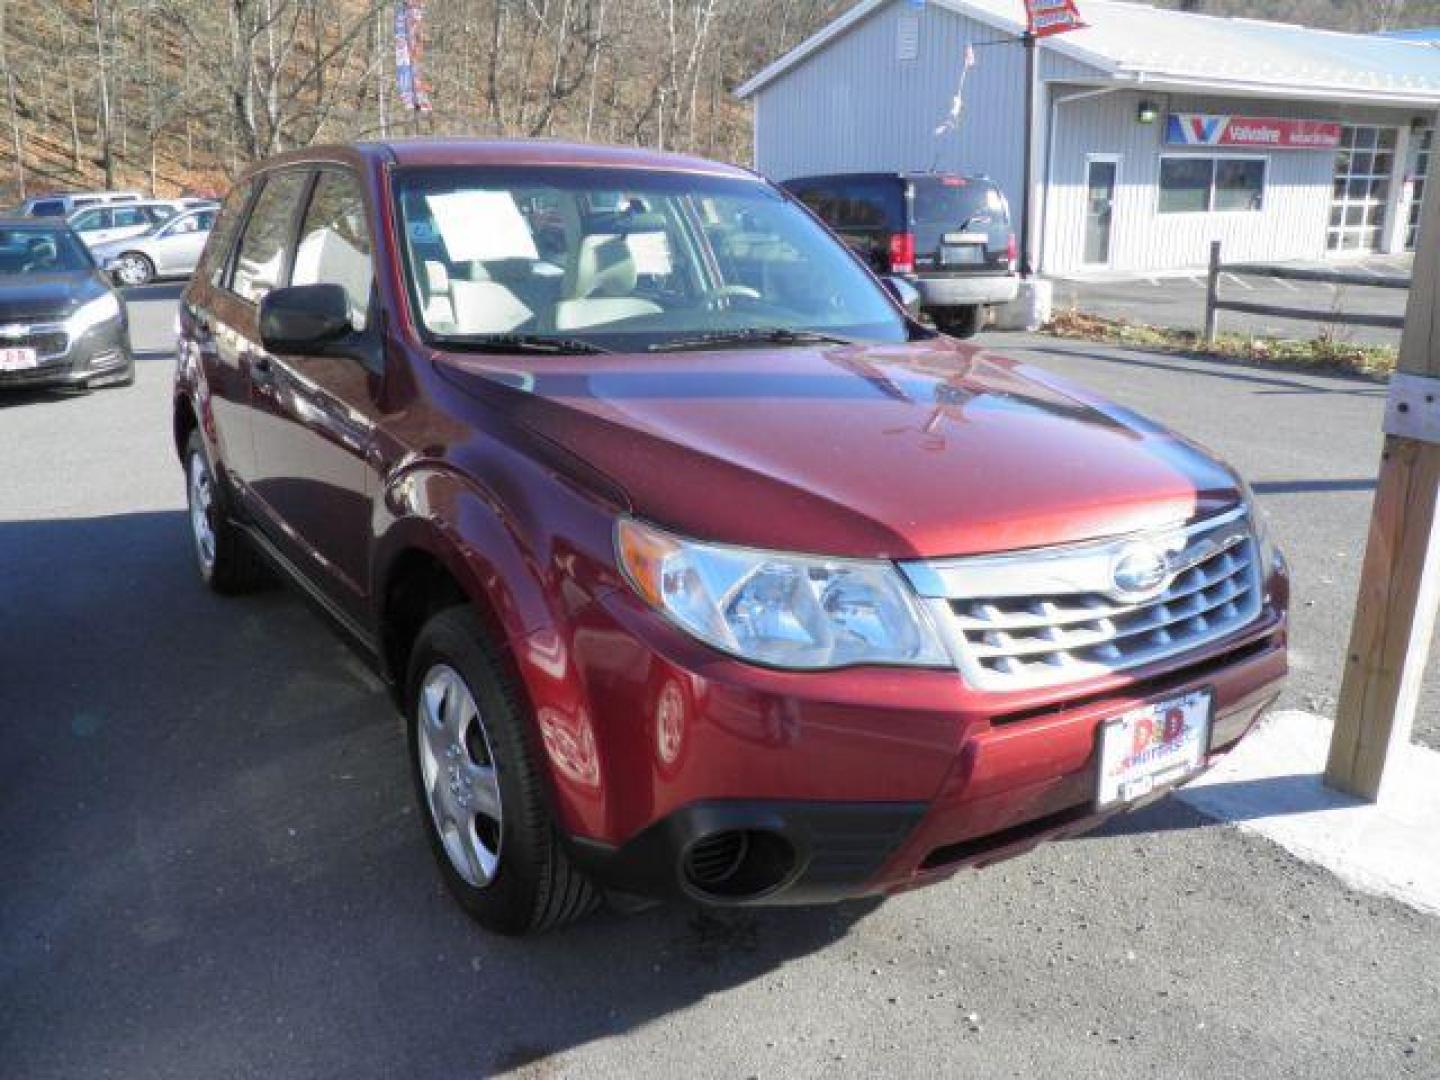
x=14, y=399
x=1312, y=487
x=212, y=855
x=1229, y=370
x=1228, y=802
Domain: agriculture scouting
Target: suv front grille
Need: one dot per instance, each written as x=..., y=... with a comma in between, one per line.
x=1059, y=615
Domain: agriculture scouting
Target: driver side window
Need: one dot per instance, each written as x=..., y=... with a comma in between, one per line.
x=260, y=262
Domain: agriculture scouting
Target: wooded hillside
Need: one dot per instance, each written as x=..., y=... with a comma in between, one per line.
x=172, y=95
x=167, y=95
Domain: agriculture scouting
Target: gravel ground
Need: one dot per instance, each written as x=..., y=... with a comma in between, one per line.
x=213, y=868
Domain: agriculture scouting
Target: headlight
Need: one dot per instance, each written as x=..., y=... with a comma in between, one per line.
x=1270, y=556
x=92, y=313
x=786, y=611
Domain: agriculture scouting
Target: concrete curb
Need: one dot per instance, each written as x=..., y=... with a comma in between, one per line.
x=1271, y=785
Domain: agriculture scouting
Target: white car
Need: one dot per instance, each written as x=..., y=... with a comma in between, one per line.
x=170, y=249
x=65, y=203
x=101, y=224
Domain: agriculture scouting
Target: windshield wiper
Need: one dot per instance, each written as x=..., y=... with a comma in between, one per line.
x=519, y=343
x=756, y=335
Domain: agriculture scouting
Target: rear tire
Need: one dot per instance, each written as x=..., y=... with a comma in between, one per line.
x=478, y=782
x=961, y=322
x=223, y=555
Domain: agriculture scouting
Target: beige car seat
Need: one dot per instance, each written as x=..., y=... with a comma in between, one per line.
x=470, y=305
x=604, y=279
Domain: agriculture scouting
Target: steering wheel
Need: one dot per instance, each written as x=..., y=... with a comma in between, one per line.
x=727, y=295
x=742, y=291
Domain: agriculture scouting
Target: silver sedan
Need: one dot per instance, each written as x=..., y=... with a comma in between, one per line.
x=170, y=249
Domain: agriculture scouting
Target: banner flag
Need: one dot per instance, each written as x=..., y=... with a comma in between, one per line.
x=409, y=51
x=1047, y=17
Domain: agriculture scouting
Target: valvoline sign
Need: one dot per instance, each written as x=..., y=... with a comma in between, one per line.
x=1252, y=132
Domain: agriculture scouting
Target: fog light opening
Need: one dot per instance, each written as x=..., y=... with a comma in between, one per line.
x=737, y=864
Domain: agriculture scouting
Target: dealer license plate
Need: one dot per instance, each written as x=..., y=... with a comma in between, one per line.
x=962, y=254
x=1152, y=747
x=18, y=359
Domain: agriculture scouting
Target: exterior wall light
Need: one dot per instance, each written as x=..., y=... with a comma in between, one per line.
x=1148, y=113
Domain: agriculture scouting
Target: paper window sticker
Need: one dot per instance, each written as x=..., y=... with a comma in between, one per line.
x=481, y=225
x=651, y=252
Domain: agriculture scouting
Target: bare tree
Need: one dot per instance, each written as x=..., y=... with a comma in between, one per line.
x=180, y=93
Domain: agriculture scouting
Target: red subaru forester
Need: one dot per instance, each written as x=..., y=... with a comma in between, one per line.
x=698, y=567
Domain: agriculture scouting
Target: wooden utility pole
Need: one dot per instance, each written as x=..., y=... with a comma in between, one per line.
x=1400, y=579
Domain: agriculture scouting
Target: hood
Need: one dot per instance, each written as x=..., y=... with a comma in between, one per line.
x=36, y=297
x=920, y=450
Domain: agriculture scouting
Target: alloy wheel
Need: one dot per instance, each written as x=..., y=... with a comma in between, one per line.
x=132, y=270
x=202, y=509
x=457, y=769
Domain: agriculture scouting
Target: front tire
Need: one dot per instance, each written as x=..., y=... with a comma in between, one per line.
x=478, y=782
x=224, y=557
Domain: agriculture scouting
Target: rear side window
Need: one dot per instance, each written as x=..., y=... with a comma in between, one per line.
x=855, y=204
x=90, y=220
x=129, y=216
x=819, y=199
x=260, y=262
x=869, y=204
x=48, y=208
x=953, y=204
x=334, y=246
x=217, y=249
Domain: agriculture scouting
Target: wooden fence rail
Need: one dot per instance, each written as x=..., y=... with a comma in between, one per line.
x=1214, y=304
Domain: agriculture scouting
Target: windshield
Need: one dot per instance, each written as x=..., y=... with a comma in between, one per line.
x=626, y=260
x=42, y=251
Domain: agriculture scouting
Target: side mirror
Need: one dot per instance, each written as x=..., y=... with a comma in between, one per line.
x=904, y=293
x=304, y=319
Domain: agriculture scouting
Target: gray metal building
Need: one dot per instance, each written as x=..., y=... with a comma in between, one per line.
x=1154, y=131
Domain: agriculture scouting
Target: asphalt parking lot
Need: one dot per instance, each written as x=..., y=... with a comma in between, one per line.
x=1177, y=300
x=213, y=867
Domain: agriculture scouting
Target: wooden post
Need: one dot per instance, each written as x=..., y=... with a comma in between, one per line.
x=1400, y=579
x=1212, y=294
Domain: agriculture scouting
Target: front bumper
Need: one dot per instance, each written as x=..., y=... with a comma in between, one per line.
x=101, y=354
x=876, y=781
